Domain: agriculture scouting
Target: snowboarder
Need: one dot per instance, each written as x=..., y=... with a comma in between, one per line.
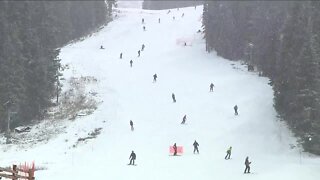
x=131, y=63
x=247, y=163
x=211, y=87
x=175, y=149
x=195, y=147
x=132, y=158
x=142, y=21
x=228, y=153
x=159, y=20
x=131, y=124
x=101, y=47
x=143, y=46
x=184, y=119
x=235, y=110
x=120, y=55
x=144, y=28
x=174, y=98
x=155, y=78
x=139, y=53
x=182, y=15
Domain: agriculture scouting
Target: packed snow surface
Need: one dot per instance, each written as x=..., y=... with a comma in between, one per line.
x=128, y=93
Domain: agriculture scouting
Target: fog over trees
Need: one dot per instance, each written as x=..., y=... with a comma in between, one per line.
x=31, y=33
x=282, y=40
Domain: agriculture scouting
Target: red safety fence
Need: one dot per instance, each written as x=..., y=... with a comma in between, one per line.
x=179, y=150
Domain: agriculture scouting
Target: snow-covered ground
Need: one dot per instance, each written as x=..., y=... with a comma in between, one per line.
x=129, y=94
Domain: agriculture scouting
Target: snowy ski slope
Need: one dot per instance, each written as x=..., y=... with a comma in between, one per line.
x=129, y=94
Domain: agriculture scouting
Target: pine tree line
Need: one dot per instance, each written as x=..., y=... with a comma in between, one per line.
x=31, y=33
x=282, y=40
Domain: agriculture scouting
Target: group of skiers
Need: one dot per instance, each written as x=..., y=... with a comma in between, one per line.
x=195, y=144
x=139, y=53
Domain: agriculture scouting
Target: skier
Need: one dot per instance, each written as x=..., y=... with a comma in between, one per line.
x=211, y=87
x=174, y=98
x=168, y=12
x=228, y=153
x=247, y=163
x=182, y=15
x=155, y=78
x=173, y=18
x=132, y=158
x=175, y=149
x=235, y=110
x=199, y=31
x=131, y=124
x=144, y=28
x=185, y=44
x=101, y=47
x=142, y=21
x=139, y=53
x=184, y=119
x=143, y=46
x=195, y=147
x=120, y=55
x=159, y=20
x=131, y=63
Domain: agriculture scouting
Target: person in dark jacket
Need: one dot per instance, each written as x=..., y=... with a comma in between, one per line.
x=131, y=62
x=101, y=47
x=228, y=153
x=120, y=55
x=184, y=119
x=132, y=158
x=175, y=149
x=235, y=110
x=131, y=124
x=142, y=21
x=247, y=163
x=155, y=78
x=139, y=53
x=173, y=98
x=211, y=87
x=142, y=47
x=144, y=28
x=195, y=147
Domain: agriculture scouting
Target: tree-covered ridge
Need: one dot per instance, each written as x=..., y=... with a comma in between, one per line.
x=31, y=32
x=282, y=39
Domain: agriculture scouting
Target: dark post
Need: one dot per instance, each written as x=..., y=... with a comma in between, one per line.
x=31, y=174
x=14, y=168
